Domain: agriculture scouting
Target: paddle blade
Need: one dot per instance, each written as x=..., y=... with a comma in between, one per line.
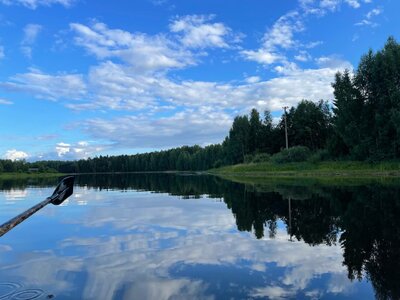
x=63, y=190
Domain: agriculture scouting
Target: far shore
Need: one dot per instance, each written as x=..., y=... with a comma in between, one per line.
x=28, y=175
x=326, y=169
x=337, y=169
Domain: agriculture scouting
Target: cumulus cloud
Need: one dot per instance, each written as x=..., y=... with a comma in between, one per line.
x=207, y=121
x=119, y=88
x=303, y=56
x=198, y=32
x=31, y=32
x=262, y=56
x=142, y=52
x=33, y=4
x=14, y=154
x=353, y=3
x=253, y=79
x=82, y=149
x=45, y=86
x=282, y=32
x=194, y=107
x=189, y=127
x=279, y=36
x=160, y=52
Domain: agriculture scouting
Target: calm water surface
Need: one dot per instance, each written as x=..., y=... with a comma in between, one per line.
x=166, y=236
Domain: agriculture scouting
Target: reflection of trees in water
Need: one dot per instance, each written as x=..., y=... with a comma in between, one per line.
x=363, y=219
x=371, y=239
x=23, y=183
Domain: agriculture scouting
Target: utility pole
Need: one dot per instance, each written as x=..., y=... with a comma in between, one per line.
x=286, y=137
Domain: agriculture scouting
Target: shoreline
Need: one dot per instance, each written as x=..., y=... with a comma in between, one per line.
x=267, y=170
x=335, y=169
x=6, y=176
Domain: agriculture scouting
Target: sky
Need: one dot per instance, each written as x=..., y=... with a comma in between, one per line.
x=83, y=78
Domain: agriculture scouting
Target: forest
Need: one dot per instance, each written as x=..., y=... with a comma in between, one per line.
x=362, y=123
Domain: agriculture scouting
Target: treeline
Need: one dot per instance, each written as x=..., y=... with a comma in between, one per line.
x=367, y=107
x=249, y=136
x=362, y=124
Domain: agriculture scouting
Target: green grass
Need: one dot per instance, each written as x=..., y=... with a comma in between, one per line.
x=28, y=175
x=304, y=169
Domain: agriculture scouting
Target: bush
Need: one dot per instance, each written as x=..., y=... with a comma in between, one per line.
x=294, y=154
x=218, y=164
x=261, y=157
x=320, y=155
x=256, y=158
x=248, y=158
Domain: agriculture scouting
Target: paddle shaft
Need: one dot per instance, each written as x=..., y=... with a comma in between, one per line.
x=6, y=227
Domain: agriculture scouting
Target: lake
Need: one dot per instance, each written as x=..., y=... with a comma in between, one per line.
x=188, y=236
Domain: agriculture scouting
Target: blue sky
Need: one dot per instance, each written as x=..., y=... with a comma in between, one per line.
x=81, y=78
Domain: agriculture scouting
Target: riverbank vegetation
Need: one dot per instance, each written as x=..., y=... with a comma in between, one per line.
x=359, y=131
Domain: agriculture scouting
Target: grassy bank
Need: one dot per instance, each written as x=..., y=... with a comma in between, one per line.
x=308, y=169
x=28, y=175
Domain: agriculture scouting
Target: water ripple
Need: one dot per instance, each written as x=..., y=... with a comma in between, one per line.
x=12, y=291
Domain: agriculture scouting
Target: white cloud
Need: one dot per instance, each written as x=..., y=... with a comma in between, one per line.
x=202, y=104
x=374, y=12
x=118, y=87
x=273, y=292
x=202, y=126
x=152, y=53
x=142, y=52
x=199, y=112
x=330, y=4
x=353, y=3
x=198, y=32
x=31, y=32
x=335, y=4
x=322, y=7
x=14, y=154
x=45, y=86
x=62, y=149
x=253, y=79
x=262, y=56
x=303, y=56
x=204, y=119
x=114, y=86
x=280, y=36
x=333, y=62
x=282, y=32
x=81, y=149
x=5, y=102
x=33, y=4
x=367, y=21
x=133, y=75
